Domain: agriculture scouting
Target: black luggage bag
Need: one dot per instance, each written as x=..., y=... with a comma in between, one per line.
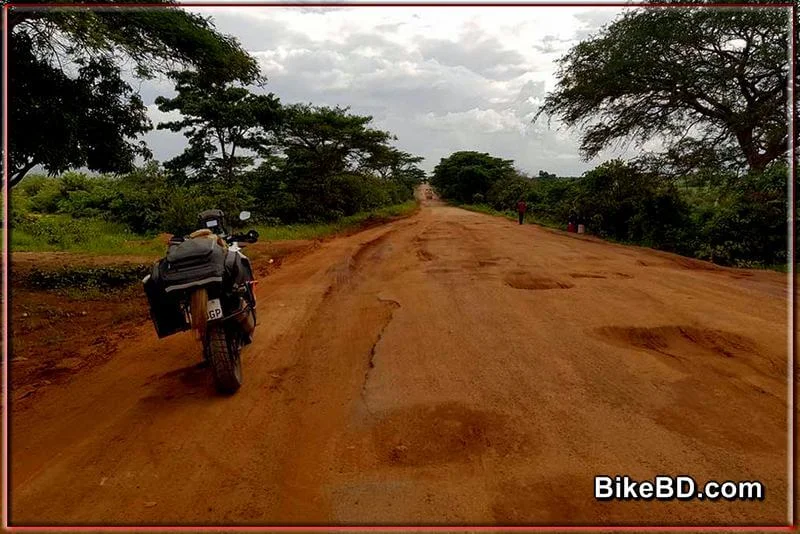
x=188, y=264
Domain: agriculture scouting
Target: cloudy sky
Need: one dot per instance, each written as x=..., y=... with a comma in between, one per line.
x=441, y=79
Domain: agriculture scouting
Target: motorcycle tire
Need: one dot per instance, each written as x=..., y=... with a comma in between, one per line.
x=222, y=350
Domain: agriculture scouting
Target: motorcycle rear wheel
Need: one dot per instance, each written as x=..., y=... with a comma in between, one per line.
x=222, y=351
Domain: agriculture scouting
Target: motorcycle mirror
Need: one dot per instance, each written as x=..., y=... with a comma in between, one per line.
x=243, y=216
x=252, y=236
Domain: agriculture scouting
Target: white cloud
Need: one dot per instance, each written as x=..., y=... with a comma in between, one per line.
x=441, y=78
x=480, y=121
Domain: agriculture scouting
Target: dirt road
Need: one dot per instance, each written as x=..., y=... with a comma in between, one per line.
x=446, y=368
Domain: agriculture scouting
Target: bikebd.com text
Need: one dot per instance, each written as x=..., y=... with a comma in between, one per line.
x=667, y=488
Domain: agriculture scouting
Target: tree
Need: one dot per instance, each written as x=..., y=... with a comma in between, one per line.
x=388, y=161
x=715, y=77
x=463, y=175
x=69, y=103
x=219, y=118
x=330, y=163
x=327, y=141
x=62, y=122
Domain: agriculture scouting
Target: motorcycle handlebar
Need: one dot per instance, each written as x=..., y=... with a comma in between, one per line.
x=249, y=237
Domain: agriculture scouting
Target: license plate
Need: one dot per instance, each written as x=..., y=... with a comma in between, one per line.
x=214, y=309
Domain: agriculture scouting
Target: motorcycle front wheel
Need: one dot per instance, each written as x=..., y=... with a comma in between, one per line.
x=222, y=351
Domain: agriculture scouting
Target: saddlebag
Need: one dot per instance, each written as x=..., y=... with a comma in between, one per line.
x=165, y=310
x=188, y=264
x=193, y=263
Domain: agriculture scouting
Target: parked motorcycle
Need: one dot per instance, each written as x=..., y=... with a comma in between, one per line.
x=205, y=283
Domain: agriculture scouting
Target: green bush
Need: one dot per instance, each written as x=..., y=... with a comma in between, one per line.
x=619, y=201
x=462, y=175
x=746, y=225
x=60, y=232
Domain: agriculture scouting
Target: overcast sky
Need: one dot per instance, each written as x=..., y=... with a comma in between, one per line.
x=441, y=79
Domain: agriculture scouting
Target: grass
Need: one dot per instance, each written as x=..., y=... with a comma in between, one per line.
x=319, y=230
x=61, y=233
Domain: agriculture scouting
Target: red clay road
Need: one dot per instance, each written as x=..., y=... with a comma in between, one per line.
x=447, y=368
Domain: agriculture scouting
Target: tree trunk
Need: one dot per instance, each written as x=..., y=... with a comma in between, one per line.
x=745, y=138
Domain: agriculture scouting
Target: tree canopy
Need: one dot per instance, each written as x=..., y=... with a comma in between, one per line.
x=218, y=118
x=329, y=140
x=463, y=175
x=327, y=162
x=69, y=103
x=699, y=78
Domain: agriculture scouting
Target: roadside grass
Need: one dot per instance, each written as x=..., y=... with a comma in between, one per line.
x=320, y=230
x=61, y=233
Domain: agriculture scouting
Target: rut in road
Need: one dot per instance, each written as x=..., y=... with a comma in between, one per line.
x=448, y=368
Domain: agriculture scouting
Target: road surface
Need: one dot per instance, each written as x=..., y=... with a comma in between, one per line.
x=447, y=368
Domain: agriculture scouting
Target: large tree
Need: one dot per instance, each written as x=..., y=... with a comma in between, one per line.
x=330, y=162
x=70, y=104
x=389, y=163
x=226, y=125
x=464, y=175
x=329, y=140
x=699, y=78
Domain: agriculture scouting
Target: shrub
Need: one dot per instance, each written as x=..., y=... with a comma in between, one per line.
x=59, y=232
x=746, y=225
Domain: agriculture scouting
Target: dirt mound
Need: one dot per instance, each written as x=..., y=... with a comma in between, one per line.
x=587, y=275
x=22, y=262
x=526, y=280
x=677, y=341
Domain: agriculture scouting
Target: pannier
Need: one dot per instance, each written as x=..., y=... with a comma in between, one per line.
x=165, y=309
x=192, y=263
x=188, y=264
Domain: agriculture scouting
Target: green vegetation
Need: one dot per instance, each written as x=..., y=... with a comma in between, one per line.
x=122, y=216
x=54, y=233
x=711, y=83
x=727, y=219
x=316, y=231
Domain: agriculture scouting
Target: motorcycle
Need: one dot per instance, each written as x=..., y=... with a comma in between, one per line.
x=205, y=283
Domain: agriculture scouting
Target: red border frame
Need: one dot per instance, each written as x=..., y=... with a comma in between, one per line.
x=793, y=527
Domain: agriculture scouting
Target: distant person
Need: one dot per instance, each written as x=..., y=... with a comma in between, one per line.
x=522, y=207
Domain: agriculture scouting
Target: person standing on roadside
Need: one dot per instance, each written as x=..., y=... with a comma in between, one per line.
x=522, y=207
